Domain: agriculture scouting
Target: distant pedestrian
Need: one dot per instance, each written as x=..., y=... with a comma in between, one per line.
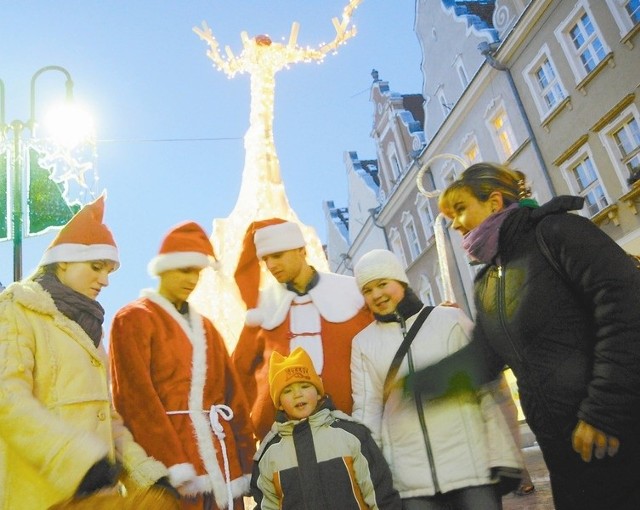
x=558, y=301
x=316, y=456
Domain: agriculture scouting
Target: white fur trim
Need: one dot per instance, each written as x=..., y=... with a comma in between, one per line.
x=200, y=420
x=276, y=238
x=181, y=473
x=178, y=259
x=202, y=485
x=336, y=297
x=254, y=317
x=239, y=488
x=196, y=486
x=168, y=307
x=202, y=428
x=69, y=252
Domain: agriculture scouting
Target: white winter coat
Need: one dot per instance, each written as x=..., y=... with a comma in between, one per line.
x=463, y=436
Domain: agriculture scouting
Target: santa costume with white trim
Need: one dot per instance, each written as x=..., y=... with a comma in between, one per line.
x=174, y=384
x=323, y=320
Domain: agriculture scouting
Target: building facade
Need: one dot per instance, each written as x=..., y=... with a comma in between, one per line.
x=547, y=86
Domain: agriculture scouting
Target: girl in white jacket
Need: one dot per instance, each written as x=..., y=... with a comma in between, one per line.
x=444, y=453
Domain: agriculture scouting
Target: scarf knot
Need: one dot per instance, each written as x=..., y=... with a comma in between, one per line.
x=481, y=243
x=83, y=310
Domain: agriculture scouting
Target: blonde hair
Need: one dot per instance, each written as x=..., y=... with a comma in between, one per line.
x=44, y=269
x=482, y=179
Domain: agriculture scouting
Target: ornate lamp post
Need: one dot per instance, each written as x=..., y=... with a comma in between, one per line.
x=15, y=129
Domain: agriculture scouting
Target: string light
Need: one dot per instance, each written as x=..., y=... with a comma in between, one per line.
x=262, y=193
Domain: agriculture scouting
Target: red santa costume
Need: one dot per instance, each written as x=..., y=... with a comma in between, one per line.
x=176, y=388
x=323, y=321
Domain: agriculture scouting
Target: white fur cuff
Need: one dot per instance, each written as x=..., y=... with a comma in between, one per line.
x=181, y=473
x=254, y=317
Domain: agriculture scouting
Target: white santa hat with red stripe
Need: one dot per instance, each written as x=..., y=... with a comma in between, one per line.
x=83, y=238
x=185, y=245
x=262, y=238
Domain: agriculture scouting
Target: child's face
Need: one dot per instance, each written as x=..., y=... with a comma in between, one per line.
x=383, y=295
x=299, y=399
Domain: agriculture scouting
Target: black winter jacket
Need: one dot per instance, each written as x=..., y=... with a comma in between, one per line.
x=570, y=333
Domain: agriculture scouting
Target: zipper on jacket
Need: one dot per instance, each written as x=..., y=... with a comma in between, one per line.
x=425, y=431
x=420, y=410
x=501, y=311
x=536, y=389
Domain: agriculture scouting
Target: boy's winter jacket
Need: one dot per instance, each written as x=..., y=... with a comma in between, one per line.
x=324, y=462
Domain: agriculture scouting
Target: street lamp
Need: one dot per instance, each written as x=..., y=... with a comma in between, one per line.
x=16, y=128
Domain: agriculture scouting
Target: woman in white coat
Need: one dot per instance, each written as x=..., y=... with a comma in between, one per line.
x=61, y=443
x=443, y=453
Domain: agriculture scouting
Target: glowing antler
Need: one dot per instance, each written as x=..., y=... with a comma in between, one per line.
x=344, y=32
x=231, y=66
x=279, y=55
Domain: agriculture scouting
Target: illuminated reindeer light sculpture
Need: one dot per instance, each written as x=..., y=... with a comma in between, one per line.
x=262, y=193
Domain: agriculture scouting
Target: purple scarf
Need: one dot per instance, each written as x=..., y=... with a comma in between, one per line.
x=481, y=243
x=87, y=312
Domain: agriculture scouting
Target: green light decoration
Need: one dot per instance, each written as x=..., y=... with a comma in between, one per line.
x=4, y=210
x=46, y=205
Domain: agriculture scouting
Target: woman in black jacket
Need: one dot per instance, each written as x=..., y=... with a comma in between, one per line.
x=558, y=301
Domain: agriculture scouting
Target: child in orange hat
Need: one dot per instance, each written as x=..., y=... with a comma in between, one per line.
x=315, y=453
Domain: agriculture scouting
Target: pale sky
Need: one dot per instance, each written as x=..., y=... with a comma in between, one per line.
x=145, y=77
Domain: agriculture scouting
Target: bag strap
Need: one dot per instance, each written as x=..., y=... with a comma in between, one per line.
x=403, y=349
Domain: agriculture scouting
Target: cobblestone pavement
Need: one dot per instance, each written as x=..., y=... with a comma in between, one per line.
x=541, y=498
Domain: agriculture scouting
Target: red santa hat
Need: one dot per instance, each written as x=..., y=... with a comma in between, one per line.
x=185, y=245
x=263, y=238
x=83, y=238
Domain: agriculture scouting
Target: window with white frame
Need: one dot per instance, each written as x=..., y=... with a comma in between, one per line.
x=470, y=149
x=501, y=132
x=584, y=180
x=582, y=41
x=426, y=292
x=442, y=99
x=633, y=10
x=423, y=207
x=546, y=87
x=472, y=153
x=411, y=234
x=626, y=13
x=448, y=173
x=628, y=142
x=396, y=245
x=462, y=73
x=393, y=164
x=621, y=138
